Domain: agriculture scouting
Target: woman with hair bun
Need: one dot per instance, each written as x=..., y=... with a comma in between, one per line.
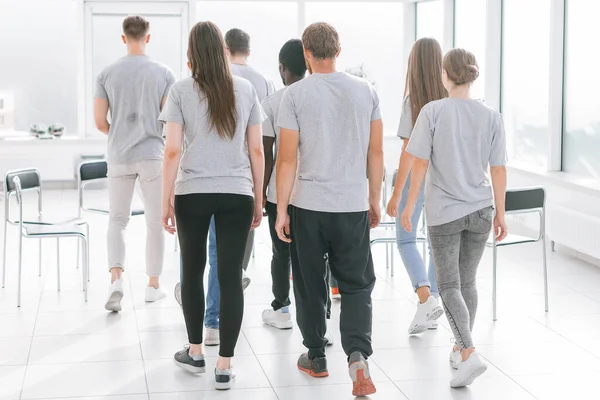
x=455, y=140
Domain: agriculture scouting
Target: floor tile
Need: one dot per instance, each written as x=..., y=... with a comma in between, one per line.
x=160, y=319
x=385, y=390
x=11, y=379
x=84, y=348
x=73, y=300
x=14, y=351
x=164, y=344
x=576, y=384
x=233, y=394
x=484, y=388
x=84, y=379
x=85, y=323
x=281, y=369
x=17, y=325
x=117, y=397
x=164, y=377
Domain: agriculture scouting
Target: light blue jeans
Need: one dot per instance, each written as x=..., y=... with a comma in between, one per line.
x=407, y=246
x=213, y=294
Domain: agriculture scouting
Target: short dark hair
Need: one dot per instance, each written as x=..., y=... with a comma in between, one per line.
x=291, y=56
x=322, y=40
x=135, y=27
x=237, y=41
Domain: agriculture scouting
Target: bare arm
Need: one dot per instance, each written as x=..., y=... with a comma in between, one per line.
x=287, y=161
x=404, y=166
x=268, y=146
x=101, y=114
x=375, y=171
x=498, y=175
x=257, y=165
x=170, y=165
x=162, y=102
x=419, y=169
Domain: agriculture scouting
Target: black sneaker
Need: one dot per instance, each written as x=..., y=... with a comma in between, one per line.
x=317, y=367
x=183, y=360
x=224, y=378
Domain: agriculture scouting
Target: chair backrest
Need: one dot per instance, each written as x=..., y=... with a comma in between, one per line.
x=92, y=170
x=525, y=199
x=28, y=179
x=16, y=183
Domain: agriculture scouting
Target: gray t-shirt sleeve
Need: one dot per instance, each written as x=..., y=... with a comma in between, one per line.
x=376, y=109
x=270, y=87
x=421, y=140
x=100, y=92
x=170, y=80
x=288, y=119
x=257, y=115
x=172, y=111
x=406, y=126
x=268, y=127
x=498, y=156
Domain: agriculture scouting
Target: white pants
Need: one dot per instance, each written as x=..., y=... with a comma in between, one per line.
x=121, y=185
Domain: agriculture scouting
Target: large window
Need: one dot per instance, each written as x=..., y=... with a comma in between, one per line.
x=581, y=140
x=430, y=20
x=371, y=38
x=269, y=23
x=470, y=34
x=525, y=80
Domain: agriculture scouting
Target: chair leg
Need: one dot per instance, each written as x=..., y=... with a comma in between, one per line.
x=78, y=253
x=19, y=263
x=40, y=258
x=545, y=273
x=86, y=265
x=494, y=289
x=58, y=263
x=552, y=245
x=87, y=240
x=4, y=256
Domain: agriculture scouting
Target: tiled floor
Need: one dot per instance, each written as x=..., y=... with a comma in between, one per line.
x=56, y=346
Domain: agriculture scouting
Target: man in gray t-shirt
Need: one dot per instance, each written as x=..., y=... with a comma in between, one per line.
x=133, y=89
x=331, y=156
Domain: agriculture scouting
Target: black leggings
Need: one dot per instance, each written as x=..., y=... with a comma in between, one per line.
x=233, y=217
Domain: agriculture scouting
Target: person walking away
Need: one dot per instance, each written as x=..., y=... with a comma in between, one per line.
x=214, y=168
x=133, y=89
x=454, y=142
x=423, y=84
x=331, y=155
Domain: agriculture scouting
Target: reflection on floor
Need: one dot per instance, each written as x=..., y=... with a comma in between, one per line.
x=57, y=346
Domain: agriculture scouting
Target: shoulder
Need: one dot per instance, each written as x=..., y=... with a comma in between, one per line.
x=242, y=85
x=274, y=99
x=182, y=85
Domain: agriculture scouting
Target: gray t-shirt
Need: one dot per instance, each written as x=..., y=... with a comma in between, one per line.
x=270, y=129
x=134, y=87
x=406, y=124
x=460, y=138
x=263, y=86
x=209, y=163
x=333, y=113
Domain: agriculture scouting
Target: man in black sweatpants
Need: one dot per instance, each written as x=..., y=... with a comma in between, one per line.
x=331, y=157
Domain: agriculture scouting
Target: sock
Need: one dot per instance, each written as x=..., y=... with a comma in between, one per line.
x=197, y=357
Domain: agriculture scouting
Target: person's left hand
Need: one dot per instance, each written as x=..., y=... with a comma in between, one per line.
x=407, y=215
x=374, y=214
x=282, y=227
x=168, y=216
x=258, y=214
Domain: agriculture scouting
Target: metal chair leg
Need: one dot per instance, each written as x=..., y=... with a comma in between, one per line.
x=19, y=263
x=4, y=255
x=40, y=258
x=494, y=289
x=58, y=263
x=78, y=253
x=86, y=268
x=87, y=240
x=176, y=243
x=545, y=272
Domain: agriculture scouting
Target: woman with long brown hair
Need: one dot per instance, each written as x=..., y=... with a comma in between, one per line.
x=213, y=167
x=423, y=84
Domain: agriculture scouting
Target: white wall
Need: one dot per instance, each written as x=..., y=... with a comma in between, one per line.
x=38, y=60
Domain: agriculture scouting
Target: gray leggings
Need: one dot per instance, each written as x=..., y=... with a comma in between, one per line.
x=457, y=250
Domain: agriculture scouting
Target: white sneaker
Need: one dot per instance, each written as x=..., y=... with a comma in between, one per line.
x=115, y=294
x=153, y=294
x=468, y=371
x=280, y=319
x=426, y=312
x=211, y=337
x=245, y=281
x=328, y=336
x=433, y=325
x=177, y=293
x=455, y=358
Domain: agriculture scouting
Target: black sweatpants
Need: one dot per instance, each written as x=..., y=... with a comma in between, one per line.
x=233, y=217
x=280, y=263
x=345, y=238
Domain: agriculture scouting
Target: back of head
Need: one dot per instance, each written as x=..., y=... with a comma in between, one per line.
x=424, y=76
x=321, y=40
x=291, y=56
x=238, y=42
x=135, y=27
x=461, y=66
x=210, y=71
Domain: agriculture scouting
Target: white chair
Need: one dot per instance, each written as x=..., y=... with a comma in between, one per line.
x=74, y=228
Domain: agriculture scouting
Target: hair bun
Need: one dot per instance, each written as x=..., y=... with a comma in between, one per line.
x=468, y=74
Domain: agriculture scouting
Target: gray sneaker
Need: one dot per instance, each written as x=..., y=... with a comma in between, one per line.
x=245, y=281
x=317, y=367
x=358, y=367
x=178, y=293
x=195, y=364
x=224, y=378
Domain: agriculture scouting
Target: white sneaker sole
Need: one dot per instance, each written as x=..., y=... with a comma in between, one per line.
x=469, y=379
x=190, y=368
x=212, y=342
x=225, y=385
x=114, y=302
x=279, y=324
x=420, y=328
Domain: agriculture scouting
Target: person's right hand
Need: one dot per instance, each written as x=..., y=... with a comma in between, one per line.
x=168, y=216
x=282, y=227
x=392, y=205
x=257, y=218
x=500, y=228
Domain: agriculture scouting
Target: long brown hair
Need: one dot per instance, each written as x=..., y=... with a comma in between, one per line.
x=210, y=71
x=424, y=75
